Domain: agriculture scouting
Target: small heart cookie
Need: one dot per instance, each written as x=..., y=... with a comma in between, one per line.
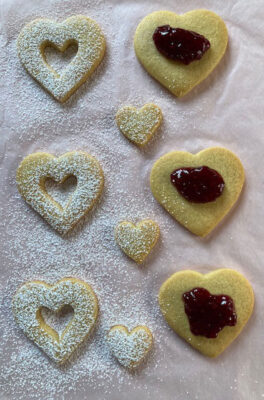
x=33, y=296
x=199, y=218
x=41, y=33
x=36, y=168
x=223, y=281
x=138, y=240
x=130, y=348
x=139, y=125
x=174, y=75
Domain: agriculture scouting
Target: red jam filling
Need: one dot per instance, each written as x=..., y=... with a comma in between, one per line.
x=198, y=185
x=180, y=44
x=208, y=314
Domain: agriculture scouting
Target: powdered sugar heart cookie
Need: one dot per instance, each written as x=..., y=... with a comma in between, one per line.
x=37, y=167
x=137, y=240
x=33, y=296
x=174, y=75
x=130, y=348
x=198, y=217
x=215, y=306
x=139, y=125
x=40, y=33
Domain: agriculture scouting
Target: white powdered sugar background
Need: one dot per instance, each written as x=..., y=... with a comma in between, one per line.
x=226, y=110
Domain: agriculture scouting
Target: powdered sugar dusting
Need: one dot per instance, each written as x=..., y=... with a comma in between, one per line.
x=137, y=240
x=32, y=296
x=36, y=168
x=130, y=348
x=31, y=120
x=80, y=30
x=139, y=125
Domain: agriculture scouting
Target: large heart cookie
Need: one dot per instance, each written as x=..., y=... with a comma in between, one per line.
x=33, y=296
x=40, y=33
x=222, y=281
x=199, y=218
x=175, y=76
x=37, y=167
x=137, y=240
x=139, y=125
x=130, y=348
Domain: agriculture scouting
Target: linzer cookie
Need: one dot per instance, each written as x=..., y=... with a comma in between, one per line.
x=130, y=347
x=36, y=168
x=208, y=311
x=198, y=190
x=33, y=296
x=180, y=51
x=79, y=30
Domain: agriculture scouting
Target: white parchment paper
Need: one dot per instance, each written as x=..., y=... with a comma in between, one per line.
x=226, y=110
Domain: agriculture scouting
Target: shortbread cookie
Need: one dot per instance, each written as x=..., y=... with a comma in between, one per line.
x=231, y=296
x=138, y=240
x=33, y=296
x=139, y=125
x=37, y=167
x=41, y=33
x=199, y=218
x=175, y=75
x=130, y=348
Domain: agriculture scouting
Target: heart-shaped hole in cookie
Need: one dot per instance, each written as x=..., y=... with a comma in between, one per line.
x=61, y=191
x=59, y=58
x=56, y=321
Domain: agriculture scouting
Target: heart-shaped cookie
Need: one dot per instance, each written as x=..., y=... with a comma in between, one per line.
x=130, y=348
x=32, y=296
x=175, y=76
x=138, y=240
x=139, y=125
x=197, y=217
x=37, y=167
x=40, y=33
x=222, y=281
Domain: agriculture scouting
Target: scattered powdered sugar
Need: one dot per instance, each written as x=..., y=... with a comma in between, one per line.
x=81, y=30
x=130, y=348
x=31, y=120
x=37, y=167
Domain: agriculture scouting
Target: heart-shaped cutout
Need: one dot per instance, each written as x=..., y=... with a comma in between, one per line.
x=57, y=320
x=175, y=76
x=60, y=192
x=58, y=60
x=130, y=348
x=197, y=217
x=40, y=33
x=139, y=125
x=222, y=281
x=138, y=240
x=36, y=168
x=32, y=296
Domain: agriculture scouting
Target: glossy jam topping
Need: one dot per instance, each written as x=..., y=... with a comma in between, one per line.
x=208, y=314
x=199, y=184
x=180, y=44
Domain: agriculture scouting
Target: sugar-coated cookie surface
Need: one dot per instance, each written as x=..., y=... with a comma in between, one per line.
x=197, y=218
x=221, y=281
x=139, y=125
x=175, y=76
x=130, y=347
x=138, y=240
x=40, y=33
x=32, y=296
x=37, y=167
